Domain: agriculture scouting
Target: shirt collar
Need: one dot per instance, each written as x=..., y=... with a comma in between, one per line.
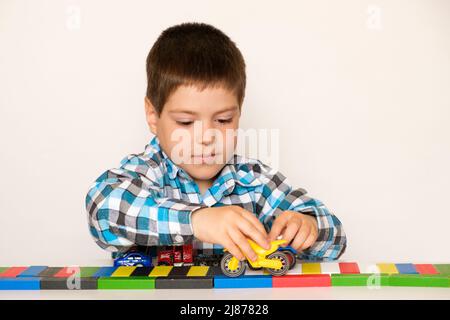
x=234, y=171
x=230, y=176
x=172, y=168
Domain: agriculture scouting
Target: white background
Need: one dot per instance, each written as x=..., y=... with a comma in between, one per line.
x=358, y=89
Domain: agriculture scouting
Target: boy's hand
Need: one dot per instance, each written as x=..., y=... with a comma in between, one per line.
x=230, y=226
x=300, y=230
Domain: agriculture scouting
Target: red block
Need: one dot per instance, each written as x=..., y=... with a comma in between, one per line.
x=426, y=269
x=302, y=280
x=67, y=272
x=349, y=267
x=12, y=272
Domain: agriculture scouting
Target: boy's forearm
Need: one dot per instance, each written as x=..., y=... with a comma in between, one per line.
x=123, y=213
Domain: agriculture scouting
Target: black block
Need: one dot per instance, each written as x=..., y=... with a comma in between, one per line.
x=179, y=272
x=50, y=271
x=215, y=271
x=53, y=283
x=141, y=272
x=184, y=283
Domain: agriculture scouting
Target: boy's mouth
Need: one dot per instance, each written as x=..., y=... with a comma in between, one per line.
x=207, y=158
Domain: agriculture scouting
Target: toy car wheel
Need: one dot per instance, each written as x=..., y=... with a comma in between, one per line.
x=292, y=259
x=284, y=261
x=226, y=270
x=215, y=263
x=163, y=263
x=139, y=265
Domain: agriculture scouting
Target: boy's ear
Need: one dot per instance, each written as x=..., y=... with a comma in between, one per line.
x=151, y=116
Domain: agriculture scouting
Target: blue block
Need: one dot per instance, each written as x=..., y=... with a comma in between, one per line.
x=406, y=268
x=252, y=281
x=32, y=271
x=104, y=272
x=25, y=283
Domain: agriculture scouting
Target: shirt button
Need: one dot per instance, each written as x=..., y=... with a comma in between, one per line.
x=178, y=238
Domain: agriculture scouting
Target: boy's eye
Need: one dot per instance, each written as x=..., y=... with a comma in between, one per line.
x=188, y=123
x=225, y=120
x=184, y=123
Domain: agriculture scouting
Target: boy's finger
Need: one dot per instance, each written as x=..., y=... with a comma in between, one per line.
x=290, y=233
x=309, y=242
x=233, y=249
x=301, y=237
x=277, y=226
x=250, y=230
x=241, y=241
x=254, y=220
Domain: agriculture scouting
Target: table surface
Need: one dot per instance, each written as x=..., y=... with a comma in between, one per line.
x=327, y=293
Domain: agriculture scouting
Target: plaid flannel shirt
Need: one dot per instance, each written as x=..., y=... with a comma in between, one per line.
x=148, y=201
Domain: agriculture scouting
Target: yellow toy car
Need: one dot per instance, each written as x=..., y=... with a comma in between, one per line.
x=275, y=262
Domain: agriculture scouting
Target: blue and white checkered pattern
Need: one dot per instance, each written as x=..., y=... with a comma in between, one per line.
x=148, y=201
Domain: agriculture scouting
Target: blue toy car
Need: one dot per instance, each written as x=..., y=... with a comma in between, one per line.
x=133, y=259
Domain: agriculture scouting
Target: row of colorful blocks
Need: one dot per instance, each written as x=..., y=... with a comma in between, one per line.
x=167, y=277
x=300, y=268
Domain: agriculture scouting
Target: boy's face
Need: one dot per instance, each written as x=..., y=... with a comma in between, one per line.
x=197, y=129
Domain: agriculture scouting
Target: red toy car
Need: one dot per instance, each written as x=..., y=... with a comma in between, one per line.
x=175, y=256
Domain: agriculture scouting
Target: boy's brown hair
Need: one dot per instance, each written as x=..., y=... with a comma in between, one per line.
x=193, y=54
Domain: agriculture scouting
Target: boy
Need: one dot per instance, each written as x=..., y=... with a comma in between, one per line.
x=190, y=186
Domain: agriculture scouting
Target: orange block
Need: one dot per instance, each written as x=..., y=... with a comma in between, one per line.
x=349, y=267
x=12, y=272
x=426, y=269
x=67, y=272
x=302, y=280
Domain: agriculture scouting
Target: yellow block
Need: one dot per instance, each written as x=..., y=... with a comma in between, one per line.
x=311, y=268
x=388, y=268
x=123, y=271
x=160, y=271
x=198, y=271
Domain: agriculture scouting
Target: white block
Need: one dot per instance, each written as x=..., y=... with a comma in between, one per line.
x=330, y=268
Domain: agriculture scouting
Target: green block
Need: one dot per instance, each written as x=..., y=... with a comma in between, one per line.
x=126, y=283
x=418, y=280
x=359, y=280
x=3, y=269
x=86, y=272
x=443, y=269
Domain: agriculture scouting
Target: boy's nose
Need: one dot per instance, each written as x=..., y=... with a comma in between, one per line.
x=207, y=134
x=207, y=139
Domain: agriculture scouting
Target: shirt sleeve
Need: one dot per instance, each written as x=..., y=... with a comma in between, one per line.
x=278, y=196
x=126, y=206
